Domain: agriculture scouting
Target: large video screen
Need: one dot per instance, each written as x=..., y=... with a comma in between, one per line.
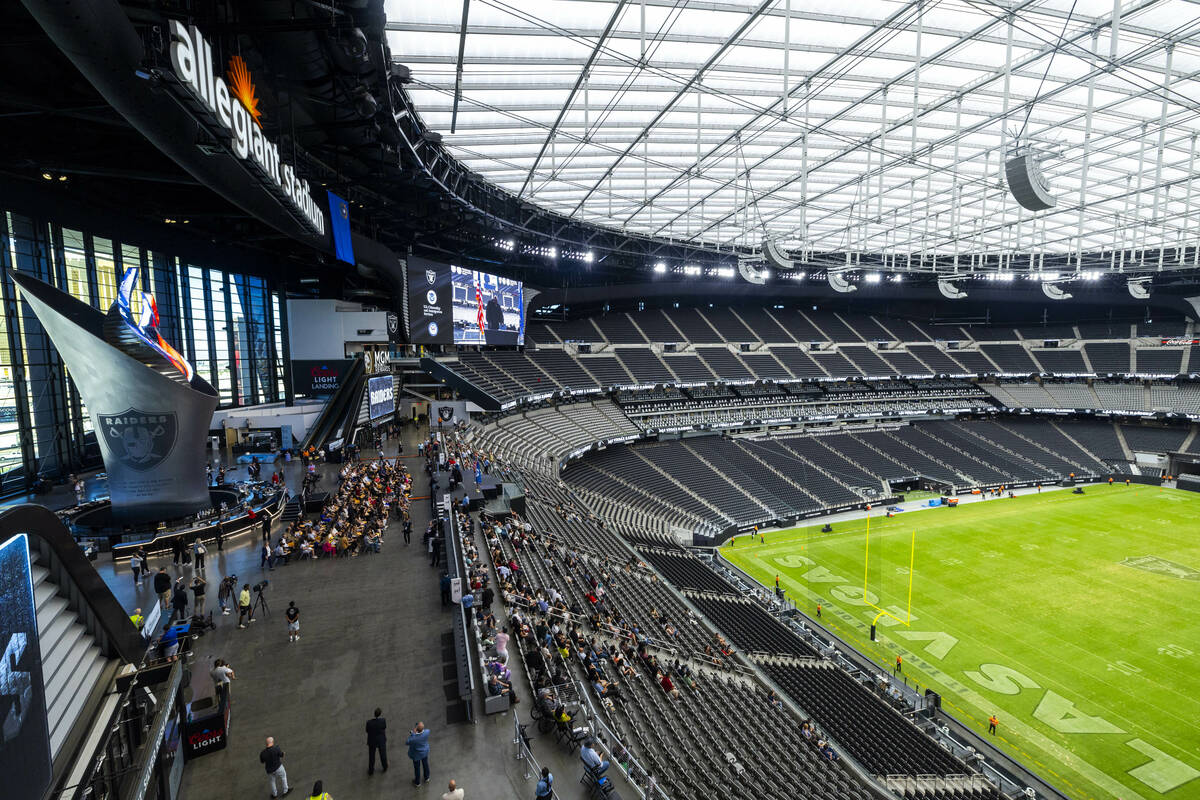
x=429, y=320
x=25, y=739
x=488, y=309
x=453, y=305
x=381, y=393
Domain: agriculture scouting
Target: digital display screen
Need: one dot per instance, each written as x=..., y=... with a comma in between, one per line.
x=488, y=309
x=382, y=396
x=25, y=739
x=429, y=295
x=448, y=304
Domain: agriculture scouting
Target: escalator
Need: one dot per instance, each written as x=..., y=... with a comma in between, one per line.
x=340, y=415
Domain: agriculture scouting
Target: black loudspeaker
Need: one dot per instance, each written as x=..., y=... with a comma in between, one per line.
x=316, y=502
x=1026, y=184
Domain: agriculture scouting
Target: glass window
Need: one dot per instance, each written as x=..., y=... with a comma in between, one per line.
x=106, y=273
x=75, y=265
x=277, y=316
x=201, y=345
x=220, y=341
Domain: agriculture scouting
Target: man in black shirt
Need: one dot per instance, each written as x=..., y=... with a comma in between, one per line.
x=272, y=759
x=376, y=740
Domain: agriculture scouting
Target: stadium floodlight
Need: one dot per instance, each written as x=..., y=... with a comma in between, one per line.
x=589, y=256
x=725, y=272
x=872, y=277
x=691, y=269
x=950, y=291
x=660, y=267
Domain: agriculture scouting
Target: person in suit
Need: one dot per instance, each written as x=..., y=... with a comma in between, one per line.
x=418, y=751
x=376, y=741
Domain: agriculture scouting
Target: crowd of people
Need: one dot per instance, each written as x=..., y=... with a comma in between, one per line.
x=369, y=496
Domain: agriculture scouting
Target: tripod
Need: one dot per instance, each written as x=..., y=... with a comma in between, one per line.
x=260, y=602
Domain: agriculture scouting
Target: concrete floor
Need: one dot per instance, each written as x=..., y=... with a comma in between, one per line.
x=371, y=635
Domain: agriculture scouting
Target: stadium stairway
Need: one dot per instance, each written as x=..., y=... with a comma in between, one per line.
x=291, y=512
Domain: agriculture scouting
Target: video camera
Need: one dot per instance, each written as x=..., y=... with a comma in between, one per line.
x=259, y=587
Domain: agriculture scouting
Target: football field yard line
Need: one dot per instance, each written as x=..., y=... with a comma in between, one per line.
x=1084, y=586
x=1086, y=768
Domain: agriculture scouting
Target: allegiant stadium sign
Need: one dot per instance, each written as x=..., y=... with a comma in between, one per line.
x=236, y=109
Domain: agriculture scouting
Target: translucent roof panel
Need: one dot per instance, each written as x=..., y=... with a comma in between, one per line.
x=826, y=126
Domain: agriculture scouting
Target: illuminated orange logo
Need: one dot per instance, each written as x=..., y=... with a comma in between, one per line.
x=242, y=88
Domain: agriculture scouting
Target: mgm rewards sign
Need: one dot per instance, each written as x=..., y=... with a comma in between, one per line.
x=236, y=108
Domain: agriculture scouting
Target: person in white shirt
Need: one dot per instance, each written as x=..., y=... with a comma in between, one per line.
x=455, y=793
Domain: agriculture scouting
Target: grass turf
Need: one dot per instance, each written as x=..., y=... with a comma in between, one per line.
x=1022, y=607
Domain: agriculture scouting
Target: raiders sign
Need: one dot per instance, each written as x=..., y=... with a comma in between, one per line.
x=446, y=413
x=430, y=277
x=138, y=439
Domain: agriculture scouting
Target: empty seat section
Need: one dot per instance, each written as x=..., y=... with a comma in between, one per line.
x=1039, y=333
x=936, y=359
x=866, y=360
x=563, y=368
x=540, y=333
x=1061, y=362
x=836, y=365
x=1099, y=438
x=798, y=362
x=867, y=328
x=763, y=325
x=828, y=491
x=1011, y=358
x=693, y=326
x=884, y=742
x=764, y=366
x=975, y=362
x=750, y=628
x=743, y=464
x=644, y=364
x=893, y=443
x=577, y=330
x=1159, y=361
x=689, y=369
x=1105, y=330
x=984, y=333
x=654, y=323
x=832, y=326
x=904, y=363
x=725, y=364
x=727, y=323
x=1051, y=438
x=686, y=571
x=1108, y=357
x=618, y=329
x=903, y=330
x=1145, y=439
x=607, y=370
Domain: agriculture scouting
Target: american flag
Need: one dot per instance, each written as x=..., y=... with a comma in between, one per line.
x=479, y=309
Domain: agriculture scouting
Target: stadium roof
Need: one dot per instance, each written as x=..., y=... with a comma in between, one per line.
x=865, y=126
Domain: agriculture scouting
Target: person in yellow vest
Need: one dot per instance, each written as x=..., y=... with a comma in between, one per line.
x=137, y=618
x=319, y=793
x=992, y=724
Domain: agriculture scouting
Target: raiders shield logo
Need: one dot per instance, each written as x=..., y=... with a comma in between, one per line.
x=138, y=439
x=446, y=413
x=393, y=323
x=430, y=276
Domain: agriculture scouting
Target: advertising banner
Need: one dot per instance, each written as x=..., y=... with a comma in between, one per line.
x=319, y=378
x=382, y=396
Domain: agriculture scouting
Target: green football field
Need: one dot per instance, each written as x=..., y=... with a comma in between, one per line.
x=1073, y=618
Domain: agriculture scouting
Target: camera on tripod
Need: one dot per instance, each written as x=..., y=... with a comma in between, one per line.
x=259, y=587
